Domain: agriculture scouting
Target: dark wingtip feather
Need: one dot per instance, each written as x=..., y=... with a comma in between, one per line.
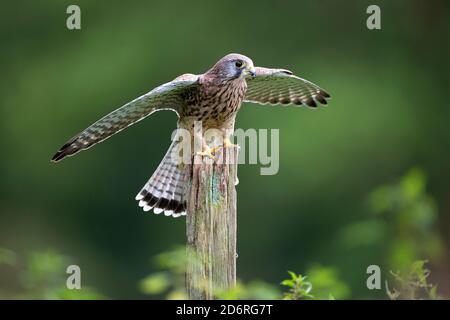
x=297, y=102
x=285, y=101
x=64, y=151
x=321, y=99
x=325, y=94
x=61, y=154
x=311, y=103
x=58, y=156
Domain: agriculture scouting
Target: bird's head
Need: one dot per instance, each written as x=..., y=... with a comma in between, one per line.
x=233, y=66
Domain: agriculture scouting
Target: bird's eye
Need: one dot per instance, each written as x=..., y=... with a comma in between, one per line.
x=239, y=63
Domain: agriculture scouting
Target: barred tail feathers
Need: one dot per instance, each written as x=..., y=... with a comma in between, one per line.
x=165, y=190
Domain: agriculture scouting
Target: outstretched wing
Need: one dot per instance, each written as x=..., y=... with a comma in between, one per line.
x=167, y=96
x=279, y=86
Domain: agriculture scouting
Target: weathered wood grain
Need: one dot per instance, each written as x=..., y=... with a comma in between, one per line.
x=211, y=225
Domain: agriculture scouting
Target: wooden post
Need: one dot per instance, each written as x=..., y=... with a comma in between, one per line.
x=211, y=225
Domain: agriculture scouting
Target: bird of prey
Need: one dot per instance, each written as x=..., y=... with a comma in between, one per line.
x=213, y=98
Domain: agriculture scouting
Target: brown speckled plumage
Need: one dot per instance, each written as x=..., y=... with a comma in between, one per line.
x=213, y=98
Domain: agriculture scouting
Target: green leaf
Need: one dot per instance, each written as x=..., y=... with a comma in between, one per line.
x=288, y=283
x=293, y=275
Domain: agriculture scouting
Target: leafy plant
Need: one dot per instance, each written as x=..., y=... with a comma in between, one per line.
x=299, y=288
x=413, y=284
x=410, y=216
x=170, y=282
x=321, y=283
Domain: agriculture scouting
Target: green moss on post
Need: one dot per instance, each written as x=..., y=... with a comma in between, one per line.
x=211, y=226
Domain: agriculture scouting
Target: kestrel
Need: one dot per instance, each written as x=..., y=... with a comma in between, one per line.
x=213, y=98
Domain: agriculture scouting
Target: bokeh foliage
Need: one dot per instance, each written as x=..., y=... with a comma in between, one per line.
x=41, y=275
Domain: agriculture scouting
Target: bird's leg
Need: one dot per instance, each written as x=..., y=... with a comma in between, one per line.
x=211, y=152
x=228, y=144
x=225, y=145
x=207, y=151
x=212, y=136
x=227, y=133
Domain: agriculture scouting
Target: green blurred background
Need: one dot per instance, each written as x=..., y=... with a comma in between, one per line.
x=389, y=113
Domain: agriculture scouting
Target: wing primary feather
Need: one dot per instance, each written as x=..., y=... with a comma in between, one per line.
x=169, y=96
x=280, y=86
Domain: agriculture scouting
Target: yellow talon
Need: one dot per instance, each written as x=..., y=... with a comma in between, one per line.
x=207, y=152
x=211, y=152
x=215, y=149
x=228, y=144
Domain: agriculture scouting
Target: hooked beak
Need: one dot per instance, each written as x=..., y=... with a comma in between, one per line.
x=251, y=71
